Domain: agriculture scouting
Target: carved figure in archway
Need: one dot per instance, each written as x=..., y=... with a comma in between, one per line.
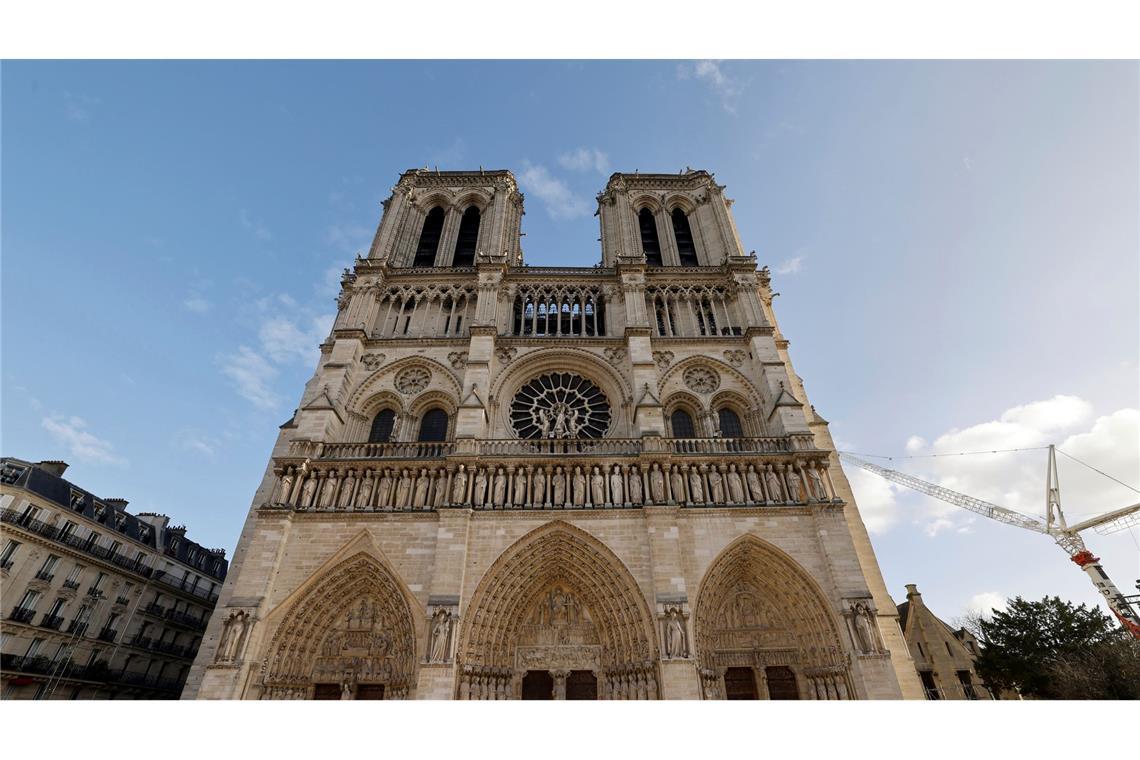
x=579, y=486
x=329, y=489
x=518, y=488
x=795, y=486
x=635, y=487
x=285, y=487
x=440, y=635
x=347, y=490
x=696, y=487
x=538, y=487
x=364, y=493
x=716, y=485
x=754, y=486
x=403, y=489
x=459, y=486
x=735, y=486
x=479, y=494
x=558, y=487
x=772, y=480
x=675, y=639
x=499, y=494
x=677, y=484
x=598, y=487
x=657, y=484
x=817, y=487
x=308, y=490
x=384, y=490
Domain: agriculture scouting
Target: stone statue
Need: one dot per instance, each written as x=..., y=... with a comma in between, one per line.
x=716, y=485
x=579, y=495
x=499, y=491
x=598, y=487
x=518, y=495
x=656, y=484
x=403, y=490
x=538, y=487
x=329, y=489
x=817, y=487
x=364, y=493
x=423, y=482
x=675, y=633
x=863, y=623
x=285, y=488
x=439, y=493
x=754, y=486
x=480, y=492
x=459, y=486
x=696, y=487
x=795, y=486
x=634, y=485
x=558, y=487
x=384, y=489
x=677, y=484
x=735, y=486
x=772, y=480
x=308, y=490
x=347, y=489
x=440, y=633
x=617, y=486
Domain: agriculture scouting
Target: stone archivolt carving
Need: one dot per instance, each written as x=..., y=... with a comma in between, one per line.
x=663, y=358
x=701, y=379
x=757, y=606
x=615, y=355
x=506, y=354
x=353, y=625
x=560, y=405
x=458, y=359
x=558, y=599
x=372, y=362
x=412, y=380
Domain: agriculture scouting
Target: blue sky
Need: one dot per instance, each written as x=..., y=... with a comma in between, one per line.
x=955, y=245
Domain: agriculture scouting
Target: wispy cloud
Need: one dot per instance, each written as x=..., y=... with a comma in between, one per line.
x=78, y=107
x=256, y=226
x=81, y=444
x=790, y=266
x=560, y=201
x=252, y=375
x=196, y=303
x=284, y=340
x=353, y=238
x=585, y=159
x=194, y=441
x=727, y=88
x=985, y=603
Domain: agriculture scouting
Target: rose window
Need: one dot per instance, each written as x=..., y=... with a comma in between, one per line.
x=560, y=405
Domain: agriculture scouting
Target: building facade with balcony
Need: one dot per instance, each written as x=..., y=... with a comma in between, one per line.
x=506, y=481
x=98, y=603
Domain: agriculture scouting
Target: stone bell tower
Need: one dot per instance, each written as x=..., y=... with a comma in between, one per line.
x=513, y=482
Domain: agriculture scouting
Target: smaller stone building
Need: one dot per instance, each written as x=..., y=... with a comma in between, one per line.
x=944, y=657
x=98, y=603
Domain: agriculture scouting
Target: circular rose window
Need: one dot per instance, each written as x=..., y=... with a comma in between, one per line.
x=560, y=405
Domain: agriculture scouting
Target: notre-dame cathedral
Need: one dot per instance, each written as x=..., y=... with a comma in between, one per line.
x=517, y=482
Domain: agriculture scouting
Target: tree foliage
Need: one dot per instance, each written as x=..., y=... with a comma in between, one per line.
x=1052, y=649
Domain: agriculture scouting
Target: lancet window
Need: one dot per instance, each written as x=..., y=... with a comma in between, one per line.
x=468, y=237
x=684, y=236
x=693, y=311
x=428, y=311
x=571, y=311
x=650, y=242
x=429, y=238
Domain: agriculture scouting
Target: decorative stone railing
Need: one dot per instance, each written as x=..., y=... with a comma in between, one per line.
x=515, y=447
x=401, y=450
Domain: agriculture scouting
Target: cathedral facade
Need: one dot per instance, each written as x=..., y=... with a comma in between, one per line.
x=516, y=482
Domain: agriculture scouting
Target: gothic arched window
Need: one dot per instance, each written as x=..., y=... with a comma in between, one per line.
x=433, y=426
x=650, y=243
x=382, y=425
x=682, y=424
x=684, y=235
x=468, y=235
x=730, y=426
x=429, y=238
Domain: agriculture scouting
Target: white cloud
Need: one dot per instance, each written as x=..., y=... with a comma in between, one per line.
x=256, y=226
x=81, y=444
x=585, y=159
x=353, y=238
x=190, y=440
x=284, y=340
x=78, y=107
x=790, y=266
x=876, y=499
x=1016, y=479
x=560, y=202
x=710, y=72
x=195, y=303
x=985, y=603
x=252, y=376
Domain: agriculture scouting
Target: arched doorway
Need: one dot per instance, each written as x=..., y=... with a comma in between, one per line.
x=558, y=605
x=764, y=629
x=349, y=636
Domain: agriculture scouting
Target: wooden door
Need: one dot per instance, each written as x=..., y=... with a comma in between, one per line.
x=538, y=684
x=327, y=691
x=781, y=683
x=581, y=684
x=740, y=683
x=370, y=691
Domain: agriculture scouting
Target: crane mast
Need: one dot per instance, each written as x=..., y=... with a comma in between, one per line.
x=1054, y=525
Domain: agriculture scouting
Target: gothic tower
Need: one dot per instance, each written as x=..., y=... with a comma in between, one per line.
x=510, y=482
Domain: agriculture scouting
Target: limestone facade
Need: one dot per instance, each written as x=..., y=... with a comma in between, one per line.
x=943, y=657
x=510, y=482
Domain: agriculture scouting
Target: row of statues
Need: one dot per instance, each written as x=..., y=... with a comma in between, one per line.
x=552, y=486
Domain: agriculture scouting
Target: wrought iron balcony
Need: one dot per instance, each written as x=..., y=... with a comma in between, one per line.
x=52, y=622
x=6, y=564
x=187, y=588
x=43, y=576
x=71, y=584
x=122, y=600
x=189, y=621
x=155, y=609
x=77, y=628
x=94, y=591
x=108, y=634
x=21, y=615
x=85, y=545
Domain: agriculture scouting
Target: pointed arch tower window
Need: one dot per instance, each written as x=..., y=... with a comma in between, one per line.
x=684, y=235
x=382, y=424
x=650, y=242
x=429, y=238
x=468, y=236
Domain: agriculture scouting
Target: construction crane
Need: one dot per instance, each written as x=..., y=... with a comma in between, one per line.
x=1067, y=536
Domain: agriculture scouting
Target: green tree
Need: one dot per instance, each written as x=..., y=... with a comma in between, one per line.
x=1052, y=649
